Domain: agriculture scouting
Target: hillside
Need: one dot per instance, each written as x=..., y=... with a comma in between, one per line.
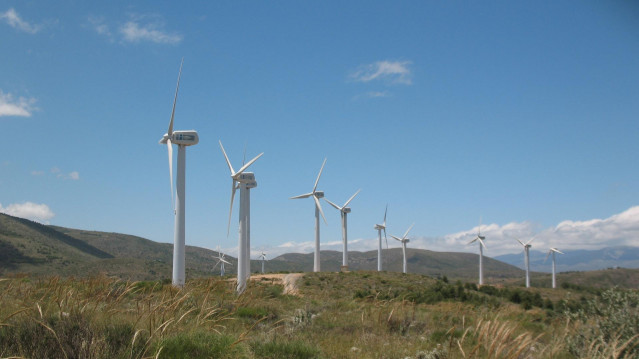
x=451, y=264
x=30, y=247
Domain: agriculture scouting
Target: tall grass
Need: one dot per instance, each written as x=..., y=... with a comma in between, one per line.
x=345, y=315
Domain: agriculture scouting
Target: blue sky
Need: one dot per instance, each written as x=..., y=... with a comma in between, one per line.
x=523, y=113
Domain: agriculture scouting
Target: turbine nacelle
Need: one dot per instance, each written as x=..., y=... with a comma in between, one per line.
x=184, y=138
x=346, y=210
x=318, y=194
x=246, y=177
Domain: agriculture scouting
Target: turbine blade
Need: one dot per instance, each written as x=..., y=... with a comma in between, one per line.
x=558, y=251
x=244, y=158
x=473, y=241
x=319, y=206
x=333, y=204
x=249, y=163
x=227, y=159
x=225, y=261
x=399, y=239
x=302, y=196
x=385, y=237
x=350, y=199
x=228, y=228
x=319, y=175
x=548, y=255
x=385, y=211
x=530, y=241
x=170, y=147
x=177, y=89
x=520, y=242
x=409, y=228
x=482, y=243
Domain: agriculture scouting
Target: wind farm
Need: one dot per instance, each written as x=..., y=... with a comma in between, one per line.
x=434, y=113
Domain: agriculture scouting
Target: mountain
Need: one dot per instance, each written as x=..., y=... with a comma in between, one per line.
x=31, y=247
x=578, y=260
x=451, y=264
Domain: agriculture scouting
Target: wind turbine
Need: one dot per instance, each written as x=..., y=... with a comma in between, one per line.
x=244, y=181
x=318, y=210
x=221, y=261
x=344, y=211
x=379, y=228
x=404, y=240
x=527, y=246
x=482, y=245
x=263, y=257
x=182, y=139
x=553, y=251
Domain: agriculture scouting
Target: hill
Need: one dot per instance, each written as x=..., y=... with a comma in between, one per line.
x=451, y=264
x=31, y=247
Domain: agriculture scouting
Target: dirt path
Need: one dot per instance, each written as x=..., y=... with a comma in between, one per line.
x=289, y=281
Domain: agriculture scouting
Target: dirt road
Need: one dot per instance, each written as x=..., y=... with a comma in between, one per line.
x=289, y=281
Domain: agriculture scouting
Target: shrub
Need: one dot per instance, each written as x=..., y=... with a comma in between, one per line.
x=200, y=345
x=251, y=312
x=284, y=350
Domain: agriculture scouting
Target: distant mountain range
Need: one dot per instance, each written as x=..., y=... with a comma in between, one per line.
x=578, y=260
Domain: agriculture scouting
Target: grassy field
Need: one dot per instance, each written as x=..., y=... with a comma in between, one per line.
x=335, y=315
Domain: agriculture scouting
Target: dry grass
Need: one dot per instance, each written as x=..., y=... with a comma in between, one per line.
x=109, y=318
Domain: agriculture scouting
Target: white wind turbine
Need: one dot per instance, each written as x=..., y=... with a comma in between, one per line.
x=263, y=258
x=553, y=251
x=482, y=245
x=318, y=210
x=244, y=181
x=221, y=261
x=527, y=246
x=404, y=240
x=344, y=211
x=379, y=228
x=182, y=139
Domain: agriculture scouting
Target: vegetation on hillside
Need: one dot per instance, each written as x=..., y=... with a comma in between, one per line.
x=336, y=315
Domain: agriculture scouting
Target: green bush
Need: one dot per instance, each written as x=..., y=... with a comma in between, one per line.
x=284, y=350
x=251, y=312
x=200, y=345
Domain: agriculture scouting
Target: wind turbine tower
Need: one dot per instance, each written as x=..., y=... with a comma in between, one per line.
x=318, y=210
x=527, y=246
x=480, y=239
x=182, y=139
x=379, y=228
x=263, y=257
x=553, y=251
x=344, y=211
x=221, y=261
x=244, y=181
x=404, y=240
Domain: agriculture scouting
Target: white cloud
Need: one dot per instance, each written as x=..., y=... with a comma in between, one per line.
x=374, y=94
x=617, y=230
x=392, y=71
x=133, y=31
x=37, y=173
x=71, y=175
x=14, y=20
x=29, y=210
x=100, y=26
x=21, y=106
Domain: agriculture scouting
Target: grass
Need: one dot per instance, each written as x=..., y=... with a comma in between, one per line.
x=337, y=315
